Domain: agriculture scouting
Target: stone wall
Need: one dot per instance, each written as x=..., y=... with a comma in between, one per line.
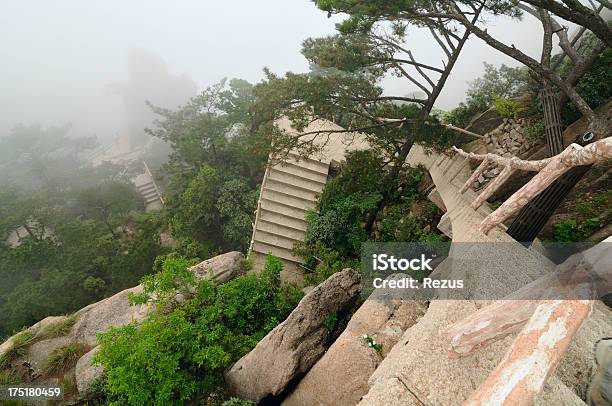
x=507, y=140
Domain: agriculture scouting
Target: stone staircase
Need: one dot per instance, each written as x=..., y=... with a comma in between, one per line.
x=288, y=190
x=146, y=186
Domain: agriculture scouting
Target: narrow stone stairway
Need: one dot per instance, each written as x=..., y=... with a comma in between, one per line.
x=288, y=190
x=146, y=186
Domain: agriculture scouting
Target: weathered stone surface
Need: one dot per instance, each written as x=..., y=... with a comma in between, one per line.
x=293, y=347
x=86, y=373
x=436, y=199
x=340, y=377
x=221, y=268
x=485, y=122
x=110, y=312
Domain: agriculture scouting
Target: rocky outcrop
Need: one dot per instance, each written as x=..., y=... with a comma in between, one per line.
x=340, y=377
x=221, y=268
x=86, y=372
x=293, y=347
x=485, y=122
x=85, y=324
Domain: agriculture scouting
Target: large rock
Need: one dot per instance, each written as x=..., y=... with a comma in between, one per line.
x=340, y=377
x=221, y=268
x=113, y=311
x=485, y=122
x=86, y=373
x=292, y=348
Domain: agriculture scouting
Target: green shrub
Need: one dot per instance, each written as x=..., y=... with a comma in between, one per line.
x=535, y=131
x=331, y=321
x=63, y=357
x=508, y=108
x=574, y=230
x=323, y=261
x=178, y=354
x=340, y=226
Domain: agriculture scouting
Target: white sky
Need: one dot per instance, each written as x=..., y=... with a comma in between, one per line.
x=58, y=57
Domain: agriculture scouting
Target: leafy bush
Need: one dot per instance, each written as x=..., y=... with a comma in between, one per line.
x=595, y=86
x=505, y=82
x=340, y=225
x=507, y=108
x=574, y=230
x=331, y=321
x=535, y=131
x=179, y=352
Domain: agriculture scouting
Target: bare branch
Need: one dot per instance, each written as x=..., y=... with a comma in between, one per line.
x=439, y=41
x=413, y=80
x=421, y=70
x=534, y=65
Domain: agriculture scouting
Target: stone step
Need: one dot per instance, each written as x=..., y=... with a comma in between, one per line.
x=287, y=202
x=292, y=200
x=275, y=240
x=277, y=218
x=149, y=193
x=308, y=163
x=295, y=180
x=282, y=253
x=296, y=169
x=297, y=191
x=146, y=186
x=152, y=199
x=280, y=229
x=285, y=210
x=452, y=167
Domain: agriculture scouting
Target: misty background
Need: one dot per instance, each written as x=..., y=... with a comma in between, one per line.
x=90, y=63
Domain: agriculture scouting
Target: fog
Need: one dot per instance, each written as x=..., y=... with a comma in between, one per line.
x=94, y=63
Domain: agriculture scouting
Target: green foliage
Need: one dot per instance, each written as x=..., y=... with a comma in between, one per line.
x=323, y=261
x=179, y=353
x=63, y=357
x=8, y=378
x=592, y=214
x=535, y=131
x=340, y=225
x=235, y=205
x=595, y=87
x=399, y=224
x=79, y=264
x=503, y=84
x=331, y=321
x=506, y=107
x=214, y=169
x=373, y=344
